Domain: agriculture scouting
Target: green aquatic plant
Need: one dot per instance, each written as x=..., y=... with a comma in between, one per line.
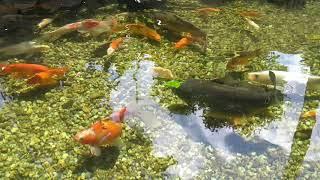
x=173, y=84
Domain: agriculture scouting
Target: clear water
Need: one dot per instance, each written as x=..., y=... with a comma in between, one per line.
x=38, y=125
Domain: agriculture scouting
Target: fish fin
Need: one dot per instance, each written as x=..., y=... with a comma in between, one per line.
x=95, y=150
x=273, y=79
x=29, y=55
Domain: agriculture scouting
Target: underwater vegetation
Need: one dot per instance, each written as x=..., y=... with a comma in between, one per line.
x=58, y=73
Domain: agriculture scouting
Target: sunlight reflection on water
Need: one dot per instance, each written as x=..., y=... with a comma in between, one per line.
x=169, y=138
x=281, y=132
x=186, y=138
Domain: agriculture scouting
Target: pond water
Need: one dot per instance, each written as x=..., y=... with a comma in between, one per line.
x=236, y=126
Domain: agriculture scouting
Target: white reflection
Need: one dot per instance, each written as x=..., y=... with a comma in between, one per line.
x=1, y=100
x=281, y=132
x=194, y=126
x=168, y=137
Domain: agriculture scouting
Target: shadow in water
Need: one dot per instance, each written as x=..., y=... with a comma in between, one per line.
x=107, y=160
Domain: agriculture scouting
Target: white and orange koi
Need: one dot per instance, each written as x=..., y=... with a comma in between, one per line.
x=103, y=132
x=114, y=45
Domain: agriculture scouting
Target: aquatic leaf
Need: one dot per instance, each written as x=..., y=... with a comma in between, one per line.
x=173, y=84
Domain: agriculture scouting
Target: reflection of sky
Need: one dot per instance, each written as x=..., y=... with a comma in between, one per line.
x=291, y=61
x=3, y=98
x=281, y=132
x=1, y=101
x=313, y=153
x=185, y=137
x=168, y=137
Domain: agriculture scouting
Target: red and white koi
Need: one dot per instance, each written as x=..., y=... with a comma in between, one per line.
x=90, y=26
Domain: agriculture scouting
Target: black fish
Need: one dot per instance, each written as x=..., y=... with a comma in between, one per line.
x=236, y=97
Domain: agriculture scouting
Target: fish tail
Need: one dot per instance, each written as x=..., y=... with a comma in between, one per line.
x=2, y=67
x=119, y=115
x=122, y=113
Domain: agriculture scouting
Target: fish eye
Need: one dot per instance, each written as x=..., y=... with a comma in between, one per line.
x=256, y=76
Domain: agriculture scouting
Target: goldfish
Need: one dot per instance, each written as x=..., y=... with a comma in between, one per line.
x=163, y=73
x=242, y=59
x=206, y=11
x=141, y=29
x=47, y=78
x=22, y=69
x=312, y=114
x=185, y=41
x=44, y=22
x=250, y=14
x=282, y=76
x=114, y=45
x=103, y=132
x=90, y=26
x=27, y=47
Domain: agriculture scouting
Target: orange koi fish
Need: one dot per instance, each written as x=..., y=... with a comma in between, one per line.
x=206, y=11
x=114, y=45
x=47, y=78
x=310, y=114
x=242, y=59
x=182, y=43
x=103, y=132
x=250, y=14
x=141, y=29
x=22, y=69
